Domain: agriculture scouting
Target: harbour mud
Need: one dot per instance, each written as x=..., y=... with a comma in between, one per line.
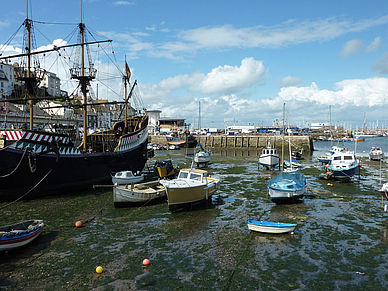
x=340, y=242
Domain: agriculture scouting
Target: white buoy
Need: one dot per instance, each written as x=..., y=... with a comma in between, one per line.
x=385, y=207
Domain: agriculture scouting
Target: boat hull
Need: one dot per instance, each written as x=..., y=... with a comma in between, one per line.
x=181, y=195
x=16, y=237
x=344, y=174
x=26, y=170
x=270, y=227
x=282, y=196
x=139, y=194
x=269, y=161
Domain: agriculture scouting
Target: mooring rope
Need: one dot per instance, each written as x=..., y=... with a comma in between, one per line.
x=13, y=171
x=21, y=197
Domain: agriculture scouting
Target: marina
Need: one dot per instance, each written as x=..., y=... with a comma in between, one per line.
x=341, y=239
x=101, y=191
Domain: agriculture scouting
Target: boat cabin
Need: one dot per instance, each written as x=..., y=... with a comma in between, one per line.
x=193, y=174
x=267, y=151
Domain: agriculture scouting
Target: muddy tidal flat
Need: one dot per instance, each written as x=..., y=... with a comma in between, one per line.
x=340, y=242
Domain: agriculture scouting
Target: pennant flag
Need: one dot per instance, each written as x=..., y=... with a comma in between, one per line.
x=127, y=71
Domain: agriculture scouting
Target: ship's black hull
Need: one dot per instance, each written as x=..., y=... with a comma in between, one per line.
x=55, y=174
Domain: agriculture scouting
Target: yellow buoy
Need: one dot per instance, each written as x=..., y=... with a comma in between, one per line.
x=99, y=270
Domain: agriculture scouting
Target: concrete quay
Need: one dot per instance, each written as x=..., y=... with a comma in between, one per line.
x=249, y=141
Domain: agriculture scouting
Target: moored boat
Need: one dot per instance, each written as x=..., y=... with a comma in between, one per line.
x=19, y=234
x=344, y=165
x=326, y=158
x=270, y=227
x=126, y=177
x=191, y=187
x=139, y=194
x=376, y=154
x=269, y=157
x=202, y=157
x=165, y=169
x=287, y=187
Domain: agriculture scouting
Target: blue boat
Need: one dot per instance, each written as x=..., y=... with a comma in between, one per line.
x=344, y=165
x=287, y=187
x=270, y=227
x=16, y=235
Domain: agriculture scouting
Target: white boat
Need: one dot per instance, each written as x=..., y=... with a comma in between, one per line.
x=202, y=157
x=326, y=158
x=192, y=186
x=16, y=235
x=126, y=177
x=270, y=227
x=138, y=194
x=269, y=157
x=292, y=164
x=376, y=154
x=344, y=165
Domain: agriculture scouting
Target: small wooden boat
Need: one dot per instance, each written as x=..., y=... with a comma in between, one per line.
x=270, y=227
x=16, y=235
x=138, y=194
x=126, y=177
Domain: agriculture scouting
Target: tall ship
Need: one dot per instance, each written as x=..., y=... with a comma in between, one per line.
x=38, y=162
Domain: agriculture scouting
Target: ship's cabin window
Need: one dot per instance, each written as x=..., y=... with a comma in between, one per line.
x=195, y=176
x=348, y=158
x=183, y=175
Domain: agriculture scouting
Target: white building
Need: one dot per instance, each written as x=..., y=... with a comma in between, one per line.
x=319, y=125
x=6, y=79
x=153, y=121
x=54, y=108
x=52, y=83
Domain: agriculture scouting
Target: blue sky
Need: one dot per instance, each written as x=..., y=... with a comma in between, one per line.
x=241, y=59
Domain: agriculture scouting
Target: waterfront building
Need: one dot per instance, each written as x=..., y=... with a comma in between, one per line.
x=52, y=83
x=6, y=79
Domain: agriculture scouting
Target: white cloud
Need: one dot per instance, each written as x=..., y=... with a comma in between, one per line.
x=349, y=99
x=374, y=45
x=229, y=79
x=351, y=47
x=290, y=81
x=125, y=3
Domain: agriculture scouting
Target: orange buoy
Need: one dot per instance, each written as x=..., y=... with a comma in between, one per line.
x=146, y=262
x=78, y=224
x=360, y=165
x=327, y=165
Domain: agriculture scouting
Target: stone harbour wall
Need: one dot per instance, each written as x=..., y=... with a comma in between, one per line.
x=298, y=143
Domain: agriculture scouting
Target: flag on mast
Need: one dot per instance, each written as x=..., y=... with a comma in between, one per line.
x=127, y=71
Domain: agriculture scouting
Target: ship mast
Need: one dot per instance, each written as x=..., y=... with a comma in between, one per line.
x=28, y=27
x=84, y=79
x=125, y=94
